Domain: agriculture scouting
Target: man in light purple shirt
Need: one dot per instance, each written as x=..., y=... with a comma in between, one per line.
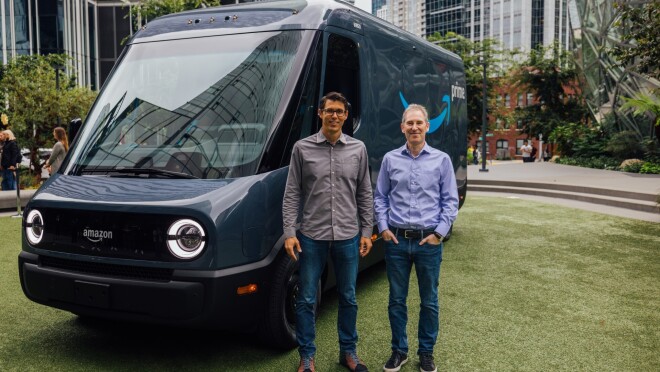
x=416, y=202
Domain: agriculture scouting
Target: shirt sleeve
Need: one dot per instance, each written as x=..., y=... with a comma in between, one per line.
x=448, y=197
x=364, y=196
x=292, y=194
x=381, y=196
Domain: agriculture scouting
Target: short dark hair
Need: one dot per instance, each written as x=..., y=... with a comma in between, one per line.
x=334, y=96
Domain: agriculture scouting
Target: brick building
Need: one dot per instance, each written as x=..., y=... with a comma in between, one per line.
x=505, y=136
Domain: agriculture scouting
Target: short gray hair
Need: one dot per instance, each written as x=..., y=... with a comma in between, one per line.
x=412, y=107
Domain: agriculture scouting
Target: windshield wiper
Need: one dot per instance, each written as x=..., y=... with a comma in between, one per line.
x=137, y=172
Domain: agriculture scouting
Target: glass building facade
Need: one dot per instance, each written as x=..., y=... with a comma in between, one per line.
x=607, y=81
x=66, y=26
x=517, y=24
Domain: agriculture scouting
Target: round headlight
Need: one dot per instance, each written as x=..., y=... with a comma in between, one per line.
x=34, y=227
x=186, y=239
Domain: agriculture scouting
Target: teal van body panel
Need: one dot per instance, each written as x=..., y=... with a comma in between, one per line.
x=167, y=208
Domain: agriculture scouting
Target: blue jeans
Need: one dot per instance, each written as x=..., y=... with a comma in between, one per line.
x=399, y=259
x=345, y=257
x=8, y=180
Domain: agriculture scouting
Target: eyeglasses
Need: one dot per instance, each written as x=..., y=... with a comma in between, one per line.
x=340, y=113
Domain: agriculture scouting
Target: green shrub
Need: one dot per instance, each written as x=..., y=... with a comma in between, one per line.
x=650, y=168
x=27, y=179
x=625, y=145
x=601, y=162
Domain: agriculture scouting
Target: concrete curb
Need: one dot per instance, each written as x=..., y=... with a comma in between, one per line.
x=8, y=199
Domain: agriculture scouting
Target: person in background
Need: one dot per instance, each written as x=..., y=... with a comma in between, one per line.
x=10, y=156
x=547, y=154
x=526, y=151
x=59, y=150
x=330, y=185
x=416, y=202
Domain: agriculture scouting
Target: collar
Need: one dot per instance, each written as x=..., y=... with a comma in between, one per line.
x=320, y=138
x=425, y=150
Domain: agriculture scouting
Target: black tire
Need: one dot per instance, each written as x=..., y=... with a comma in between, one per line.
x=278, y=329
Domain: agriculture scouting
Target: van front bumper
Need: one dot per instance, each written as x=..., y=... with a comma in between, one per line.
x=188, y=298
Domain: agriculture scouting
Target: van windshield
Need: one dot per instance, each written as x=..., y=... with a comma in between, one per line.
x=201, y=107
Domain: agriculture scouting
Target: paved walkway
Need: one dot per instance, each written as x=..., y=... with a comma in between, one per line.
x=570, y=175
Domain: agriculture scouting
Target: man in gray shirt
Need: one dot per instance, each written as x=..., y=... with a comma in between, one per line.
x=329, y=178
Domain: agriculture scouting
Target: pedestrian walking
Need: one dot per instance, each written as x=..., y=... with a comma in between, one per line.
x=11, y=156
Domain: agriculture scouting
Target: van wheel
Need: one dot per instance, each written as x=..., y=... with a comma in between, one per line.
x=279, y=324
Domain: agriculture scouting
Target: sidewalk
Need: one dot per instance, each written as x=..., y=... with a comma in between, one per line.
x=551, y=173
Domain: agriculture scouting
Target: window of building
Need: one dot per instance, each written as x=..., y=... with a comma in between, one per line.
x=520, y=100
x=507, y=100
x=519, y=143
x=502, y=144
x=530, y=98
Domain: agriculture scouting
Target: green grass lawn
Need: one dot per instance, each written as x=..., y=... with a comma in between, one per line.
x=525, y=286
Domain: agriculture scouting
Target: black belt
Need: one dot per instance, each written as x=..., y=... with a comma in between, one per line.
x=411, y=234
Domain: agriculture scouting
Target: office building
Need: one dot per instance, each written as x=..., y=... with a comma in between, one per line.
x=517, y=24
x=406, y=14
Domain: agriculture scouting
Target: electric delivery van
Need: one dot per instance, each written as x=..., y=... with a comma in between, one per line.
x=167, y=208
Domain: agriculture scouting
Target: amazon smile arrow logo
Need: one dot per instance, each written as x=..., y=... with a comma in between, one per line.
x=437, y=121
x=445, y=115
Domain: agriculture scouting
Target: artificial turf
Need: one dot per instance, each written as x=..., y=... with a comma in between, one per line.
x=524, y=286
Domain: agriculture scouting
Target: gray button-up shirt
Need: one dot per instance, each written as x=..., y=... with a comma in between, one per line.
x=332, y=183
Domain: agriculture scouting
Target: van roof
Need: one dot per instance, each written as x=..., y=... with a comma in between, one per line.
x=272, y=16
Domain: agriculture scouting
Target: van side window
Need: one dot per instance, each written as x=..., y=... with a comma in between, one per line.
x=342, y=75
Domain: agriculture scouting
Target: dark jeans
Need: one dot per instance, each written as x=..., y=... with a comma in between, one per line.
x=8, y=180
x=399, y=259
x=345, y=258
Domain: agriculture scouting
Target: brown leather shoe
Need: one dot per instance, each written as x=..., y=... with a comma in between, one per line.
x=306, y=364
x=351, y=361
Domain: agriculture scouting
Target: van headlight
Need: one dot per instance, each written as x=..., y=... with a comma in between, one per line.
x=34, y=227
x=186, y=239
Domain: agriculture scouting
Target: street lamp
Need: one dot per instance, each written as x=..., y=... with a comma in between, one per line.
x=484, y=117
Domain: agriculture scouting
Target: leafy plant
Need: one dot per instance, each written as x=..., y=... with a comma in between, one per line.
x=551, y=75
x=650, y=168
x=625, y=145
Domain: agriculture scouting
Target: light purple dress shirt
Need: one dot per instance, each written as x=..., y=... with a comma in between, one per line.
x=416, y=193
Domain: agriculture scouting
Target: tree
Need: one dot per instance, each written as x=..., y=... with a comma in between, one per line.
x=639, y=51
x=33, y=104
x=146, y=10
x=472, y=53
x=640, y=37
x=548, y=73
